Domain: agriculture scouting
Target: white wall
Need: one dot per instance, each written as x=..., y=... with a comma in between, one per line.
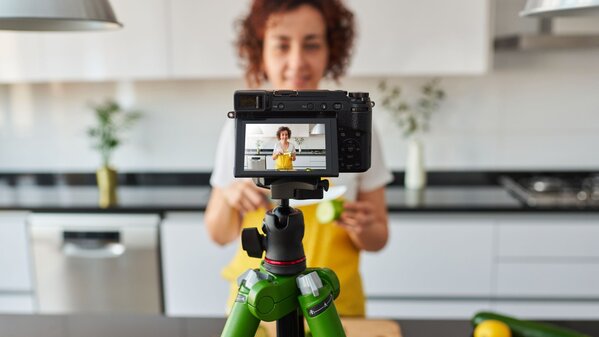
x=534, y=110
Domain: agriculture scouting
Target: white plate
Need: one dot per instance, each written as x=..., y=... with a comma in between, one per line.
x=333, y=193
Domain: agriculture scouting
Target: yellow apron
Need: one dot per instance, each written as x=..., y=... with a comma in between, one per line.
x=325, y=245
x=284, y=162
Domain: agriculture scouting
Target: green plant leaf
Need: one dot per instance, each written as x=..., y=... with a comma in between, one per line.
x=111, y=120
x=412, y=117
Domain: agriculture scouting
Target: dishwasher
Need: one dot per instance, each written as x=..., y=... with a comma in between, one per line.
x=96, y=263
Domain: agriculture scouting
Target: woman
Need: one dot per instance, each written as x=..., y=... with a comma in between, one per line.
x=284, y=152
x=293, y=44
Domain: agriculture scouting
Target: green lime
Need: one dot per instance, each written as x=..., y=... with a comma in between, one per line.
x=329, y=211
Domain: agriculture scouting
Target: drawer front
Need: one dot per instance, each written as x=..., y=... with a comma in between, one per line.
x=425, y=309
x=432, y=256
x=15, y=269
x=16, y=304
x=192, y=266
x=549, y=237
x=549, y=310
x=552, y=280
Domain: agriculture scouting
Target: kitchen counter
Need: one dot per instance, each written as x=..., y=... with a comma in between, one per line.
x=298, y=153
x=471, y=192
x=132, y=199
x=159, y=326
x=162, y=199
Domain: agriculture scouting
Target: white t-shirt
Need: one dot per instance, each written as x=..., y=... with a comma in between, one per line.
x=377, y=176
x=279, y=147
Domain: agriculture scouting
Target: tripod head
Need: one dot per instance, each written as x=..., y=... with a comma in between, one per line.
x=283, y=226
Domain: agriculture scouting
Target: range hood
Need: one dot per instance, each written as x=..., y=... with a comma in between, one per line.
x=546, y=38
x=553, y=8
x=560, y=24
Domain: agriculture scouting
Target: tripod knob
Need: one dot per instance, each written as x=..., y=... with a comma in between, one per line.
x=251, y=241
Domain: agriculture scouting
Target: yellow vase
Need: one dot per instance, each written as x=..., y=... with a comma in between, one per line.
x=107, y=184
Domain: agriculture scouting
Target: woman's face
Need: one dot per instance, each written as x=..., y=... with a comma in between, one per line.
x=284, y=136
x=296, y=52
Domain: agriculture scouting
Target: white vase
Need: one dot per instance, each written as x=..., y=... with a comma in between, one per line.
x=415, y=177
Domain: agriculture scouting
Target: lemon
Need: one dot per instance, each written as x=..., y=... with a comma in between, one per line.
x=492, y=328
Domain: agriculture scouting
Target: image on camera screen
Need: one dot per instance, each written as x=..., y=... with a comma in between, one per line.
x=285, y=147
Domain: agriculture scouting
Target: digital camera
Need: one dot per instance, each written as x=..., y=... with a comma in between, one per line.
x=327, y=131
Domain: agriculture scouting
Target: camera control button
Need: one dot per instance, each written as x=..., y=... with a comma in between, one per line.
x=310, y=106
x=337, y=106
x=281, y=106
x=323, y=106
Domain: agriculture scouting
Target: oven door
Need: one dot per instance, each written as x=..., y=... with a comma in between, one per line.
x=96, y=263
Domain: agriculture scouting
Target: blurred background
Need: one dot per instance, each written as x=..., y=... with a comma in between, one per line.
x=508, y=221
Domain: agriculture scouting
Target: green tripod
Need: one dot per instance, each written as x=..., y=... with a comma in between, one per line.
x=283, y=289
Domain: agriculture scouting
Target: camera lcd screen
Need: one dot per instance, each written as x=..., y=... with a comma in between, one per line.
x=290, y=147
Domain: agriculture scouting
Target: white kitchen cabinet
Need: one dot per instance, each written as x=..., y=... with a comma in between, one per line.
x=195, y=39
x=548, y=256
x=301, y=161
x=20, y=57
x=191, y=266
x=17, y=304
x=539, y=266
x=418, y=309
x=202, y=38
x=137, y=51
x=427, y=37
x=432, y=256
x=548, y=236
x=270, y=163
x=558, y=310
x=548, y=279
x=14, y=253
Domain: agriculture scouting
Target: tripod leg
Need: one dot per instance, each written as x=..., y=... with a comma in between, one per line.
x=291, y=325
x=318, y=307
x=241, y=322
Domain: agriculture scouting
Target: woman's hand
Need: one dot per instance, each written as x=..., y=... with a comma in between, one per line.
x=357, y=216
x=365, y=220
x=245, y=196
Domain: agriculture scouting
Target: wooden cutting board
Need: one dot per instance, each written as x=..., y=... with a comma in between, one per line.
x=354, y=327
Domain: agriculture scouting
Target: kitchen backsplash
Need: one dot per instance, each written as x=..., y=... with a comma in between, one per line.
x=534, y=110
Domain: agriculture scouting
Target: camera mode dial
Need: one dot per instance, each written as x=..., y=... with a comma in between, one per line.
x=359, y=95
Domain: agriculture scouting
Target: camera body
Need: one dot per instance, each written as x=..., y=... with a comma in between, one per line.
x=336, y=127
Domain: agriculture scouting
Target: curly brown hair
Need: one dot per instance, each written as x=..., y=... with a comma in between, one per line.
x=340, y=34
x=281, y=129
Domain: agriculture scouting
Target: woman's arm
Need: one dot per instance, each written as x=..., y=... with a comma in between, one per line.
x=275, y=151
x=366, y=220
x=225, y=208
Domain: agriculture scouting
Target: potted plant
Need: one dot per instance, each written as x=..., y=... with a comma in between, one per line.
x=413, y=119
x=259, y=144
x=111, y=121
x=299, y=141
